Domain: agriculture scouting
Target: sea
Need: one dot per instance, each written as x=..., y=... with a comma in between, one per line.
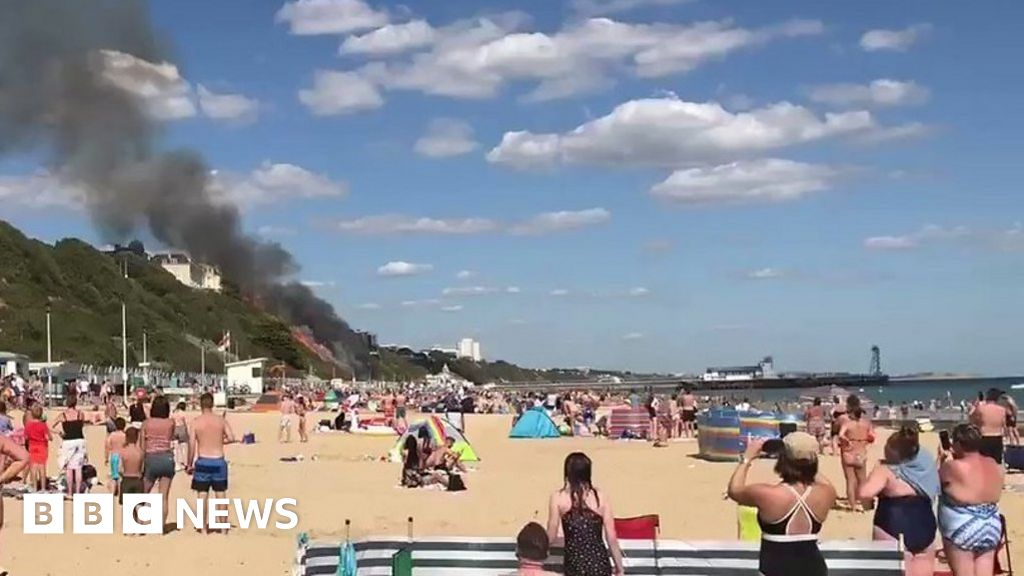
x=944, y=391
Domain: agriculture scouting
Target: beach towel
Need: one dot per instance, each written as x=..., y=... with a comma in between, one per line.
x=347, y=563
x=921, y=473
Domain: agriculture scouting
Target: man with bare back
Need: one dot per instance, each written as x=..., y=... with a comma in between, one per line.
x=688, y=413
x=207, y=465
x=990, y=417
x=400, y=419
x=284, y=434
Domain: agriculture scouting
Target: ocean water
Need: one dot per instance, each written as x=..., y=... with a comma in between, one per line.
x=897, y=392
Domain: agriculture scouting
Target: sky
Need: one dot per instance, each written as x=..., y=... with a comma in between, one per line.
x=656, y=185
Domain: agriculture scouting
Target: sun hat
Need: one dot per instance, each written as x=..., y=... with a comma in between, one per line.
x=800, y=446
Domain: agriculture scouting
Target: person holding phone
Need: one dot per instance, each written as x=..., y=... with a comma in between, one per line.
x=790, y=513
x=969, y=519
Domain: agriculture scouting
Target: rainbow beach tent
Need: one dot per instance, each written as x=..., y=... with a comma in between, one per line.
x=534, y=423
x=440, y=430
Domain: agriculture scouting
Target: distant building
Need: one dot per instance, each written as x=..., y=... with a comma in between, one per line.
x=764, y=369
x=469, y=348
x=248, y=373
x=12, y=363
x=189, y=272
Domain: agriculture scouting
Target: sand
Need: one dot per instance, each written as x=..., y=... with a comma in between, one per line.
x=510, y=488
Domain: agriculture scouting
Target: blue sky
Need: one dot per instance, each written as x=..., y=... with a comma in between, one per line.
x=646, y=184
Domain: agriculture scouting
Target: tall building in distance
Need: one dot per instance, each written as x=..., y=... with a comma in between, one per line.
x=188, y=271
x=469, y=348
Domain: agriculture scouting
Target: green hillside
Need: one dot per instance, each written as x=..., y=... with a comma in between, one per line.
x=84, y=289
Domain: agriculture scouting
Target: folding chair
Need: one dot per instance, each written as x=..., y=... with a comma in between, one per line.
x=641, y=528
x=1004, y=546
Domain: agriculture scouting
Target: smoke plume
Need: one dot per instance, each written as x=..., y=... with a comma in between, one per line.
x=56, y=97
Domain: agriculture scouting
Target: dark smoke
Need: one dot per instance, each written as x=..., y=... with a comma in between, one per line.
x=55, y=97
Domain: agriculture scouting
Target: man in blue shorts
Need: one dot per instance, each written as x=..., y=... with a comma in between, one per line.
x=208, y=434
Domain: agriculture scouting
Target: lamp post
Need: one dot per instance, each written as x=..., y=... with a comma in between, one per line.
x=49, y=358
x=124, y=341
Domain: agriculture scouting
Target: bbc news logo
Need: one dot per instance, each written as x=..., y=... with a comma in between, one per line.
x=144, y=514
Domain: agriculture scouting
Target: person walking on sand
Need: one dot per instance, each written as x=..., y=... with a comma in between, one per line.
x=207, y=464
x=300, y=413
x=688, y=414
x=990, y=418
x=401, y=423
x=180, y=436
x=815, y=417
x=1012, y=433
x=73, y=453
x=854, y=437
x=284, y=434
x=585, y=517
x=112, y=449
x=156, y=439
x=37, y=438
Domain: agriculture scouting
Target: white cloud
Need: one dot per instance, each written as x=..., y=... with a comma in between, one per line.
x=512, y=290
x=598, y=7
x=271, y=231
x=548, y=222
x=881, y=92
x=765, y=274
x=228, y=107
x=639, y=292
x=632, y=336
x=465, y=274
x=446, y=137
x=1011, y=239
x=477, y=59
x=421, y=303
x=317, y=284
x=470, y=291
x=671, y=132
x=391, y=39
x=890, y=243
x=389, y=224
x=897, y=40
x=401, y=268
x=40, y=190
x=335, y=93
x=274, y=182
x=559, y=292
x=925, y=234
x=159, y=87
x=452, y=308
x=369, y=306
x=165, y=95
x=310, y=17
x=747, y=181
x=906, y=131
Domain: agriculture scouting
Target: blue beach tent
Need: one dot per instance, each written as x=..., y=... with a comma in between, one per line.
x=534, y=423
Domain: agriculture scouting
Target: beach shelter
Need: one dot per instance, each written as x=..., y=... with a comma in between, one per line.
x=440, y=430
x=534, y=423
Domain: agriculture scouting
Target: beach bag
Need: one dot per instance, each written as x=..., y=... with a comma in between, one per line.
x=455, y=483
x=249, y=438
x=401, y=563
x=347, y=560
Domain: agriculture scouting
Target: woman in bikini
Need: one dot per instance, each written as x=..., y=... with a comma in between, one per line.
x=180, y=436
x=854, y=437
x=815, y=417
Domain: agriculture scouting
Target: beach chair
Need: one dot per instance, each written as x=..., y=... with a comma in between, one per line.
x=641, y=528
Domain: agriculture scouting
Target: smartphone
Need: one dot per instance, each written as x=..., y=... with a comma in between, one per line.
x=944, y=440
x=772, y=447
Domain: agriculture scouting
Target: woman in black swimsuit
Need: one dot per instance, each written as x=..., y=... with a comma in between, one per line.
x=586, y=519
x=790, y=513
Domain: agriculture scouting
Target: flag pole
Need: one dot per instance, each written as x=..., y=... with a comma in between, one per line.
x=124, y=341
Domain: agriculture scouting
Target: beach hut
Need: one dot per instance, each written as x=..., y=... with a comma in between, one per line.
x=440, y=430
x=534, y=423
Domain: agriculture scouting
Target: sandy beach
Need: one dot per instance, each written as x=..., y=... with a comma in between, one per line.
x=347, y=481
